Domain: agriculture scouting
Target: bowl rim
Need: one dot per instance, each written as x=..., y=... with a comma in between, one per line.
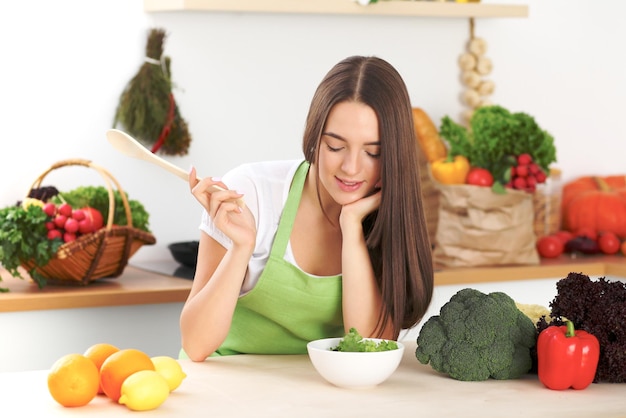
x=312, y=345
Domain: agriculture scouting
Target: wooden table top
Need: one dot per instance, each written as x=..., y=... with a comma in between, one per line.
x=288, y=386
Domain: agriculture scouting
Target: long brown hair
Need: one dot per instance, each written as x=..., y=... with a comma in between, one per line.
x=396, y=234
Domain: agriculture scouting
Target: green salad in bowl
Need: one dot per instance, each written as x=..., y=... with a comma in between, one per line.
x=355, y=362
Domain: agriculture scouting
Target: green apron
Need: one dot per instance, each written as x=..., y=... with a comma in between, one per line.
x=287, y=308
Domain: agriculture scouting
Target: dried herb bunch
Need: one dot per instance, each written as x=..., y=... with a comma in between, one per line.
x=147, y=109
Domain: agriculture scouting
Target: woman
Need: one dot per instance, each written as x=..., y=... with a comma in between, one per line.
x=334, y=242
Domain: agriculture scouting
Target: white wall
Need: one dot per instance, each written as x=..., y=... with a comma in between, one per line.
x=244, y=82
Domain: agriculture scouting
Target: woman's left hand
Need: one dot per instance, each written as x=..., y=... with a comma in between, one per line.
x=358, y=210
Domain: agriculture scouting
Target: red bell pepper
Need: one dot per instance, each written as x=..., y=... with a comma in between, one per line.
x=567, y=357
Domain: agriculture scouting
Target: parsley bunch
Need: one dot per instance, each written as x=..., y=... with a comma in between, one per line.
x=23, y=237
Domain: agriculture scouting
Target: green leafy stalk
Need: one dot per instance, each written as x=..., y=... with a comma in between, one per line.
x=23, y=237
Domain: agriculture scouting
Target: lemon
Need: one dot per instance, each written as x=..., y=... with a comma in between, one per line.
x=144, y=390
x=31, y=201
x=170, y=369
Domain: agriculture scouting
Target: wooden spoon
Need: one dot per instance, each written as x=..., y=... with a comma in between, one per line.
x=129, y=146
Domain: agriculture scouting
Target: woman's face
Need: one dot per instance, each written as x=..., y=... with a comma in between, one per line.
x=349, y=155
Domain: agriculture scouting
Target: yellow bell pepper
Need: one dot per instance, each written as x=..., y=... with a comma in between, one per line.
x=450, y=170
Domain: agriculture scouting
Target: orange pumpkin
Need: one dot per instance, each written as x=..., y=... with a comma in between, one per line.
x=597, y=203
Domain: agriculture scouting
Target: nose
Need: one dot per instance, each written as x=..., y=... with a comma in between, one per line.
x=351, y=163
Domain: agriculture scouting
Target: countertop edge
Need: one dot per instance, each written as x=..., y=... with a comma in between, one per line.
x=138, y=286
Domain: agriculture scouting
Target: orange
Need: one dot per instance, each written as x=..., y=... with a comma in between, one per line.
x=623, y=247
x=73, y=380
x=118, y=366
x=98, y=353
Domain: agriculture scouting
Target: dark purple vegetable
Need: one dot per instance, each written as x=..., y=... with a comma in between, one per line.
x=582, y=244
x=599, y=308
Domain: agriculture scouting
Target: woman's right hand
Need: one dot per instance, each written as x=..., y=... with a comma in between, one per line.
x=235, y=222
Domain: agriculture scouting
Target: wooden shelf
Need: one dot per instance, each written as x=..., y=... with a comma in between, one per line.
x=134, y=287
x=342, y=7
x=558, y=268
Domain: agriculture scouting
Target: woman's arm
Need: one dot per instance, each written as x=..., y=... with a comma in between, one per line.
x=208, y=311
x=207, y=314
x=362, y=300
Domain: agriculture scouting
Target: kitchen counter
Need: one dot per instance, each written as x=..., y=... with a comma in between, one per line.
x=154, y=282
x=289, y=386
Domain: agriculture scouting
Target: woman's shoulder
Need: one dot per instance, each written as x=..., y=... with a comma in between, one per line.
x=265, y=185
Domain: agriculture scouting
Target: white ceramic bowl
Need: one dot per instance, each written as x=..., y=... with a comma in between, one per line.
x=350, y=369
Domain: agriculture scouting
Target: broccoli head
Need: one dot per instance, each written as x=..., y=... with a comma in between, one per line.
x=477, y=336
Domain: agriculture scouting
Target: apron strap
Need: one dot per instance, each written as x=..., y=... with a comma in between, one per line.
x=289, y=211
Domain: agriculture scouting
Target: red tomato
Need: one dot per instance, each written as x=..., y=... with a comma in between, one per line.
x=609, y=243
x=550, y=246
x=564, y=236
x=479, y=177
x=95, y=217
x=586, y=231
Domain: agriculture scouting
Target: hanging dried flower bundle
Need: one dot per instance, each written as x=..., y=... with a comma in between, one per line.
x=147, y=109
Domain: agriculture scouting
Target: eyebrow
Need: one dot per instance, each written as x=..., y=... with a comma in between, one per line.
x=339, y=137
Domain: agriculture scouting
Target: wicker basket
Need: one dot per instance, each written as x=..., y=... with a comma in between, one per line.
x=103, y=253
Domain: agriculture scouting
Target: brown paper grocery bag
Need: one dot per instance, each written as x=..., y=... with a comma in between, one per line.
x=478, y=227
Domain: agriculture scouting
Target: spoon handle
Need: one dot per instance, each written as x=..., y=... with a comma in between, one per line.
x=129, y=146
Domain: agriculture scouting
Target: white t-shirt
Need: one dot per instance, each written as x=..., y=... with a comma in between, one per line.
x=265, y=187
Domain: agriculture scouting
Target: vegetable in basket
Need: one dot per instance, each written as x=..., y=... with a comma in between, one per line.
x=98, y=198
x=478, y=336
x=24, y=235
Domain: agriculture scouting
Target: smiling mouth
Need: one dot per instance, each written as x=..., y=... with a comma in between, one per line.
x=349, y=186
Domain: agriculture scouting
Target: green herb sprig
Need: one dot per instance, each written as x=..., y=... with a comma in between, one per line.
x=23, y=237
